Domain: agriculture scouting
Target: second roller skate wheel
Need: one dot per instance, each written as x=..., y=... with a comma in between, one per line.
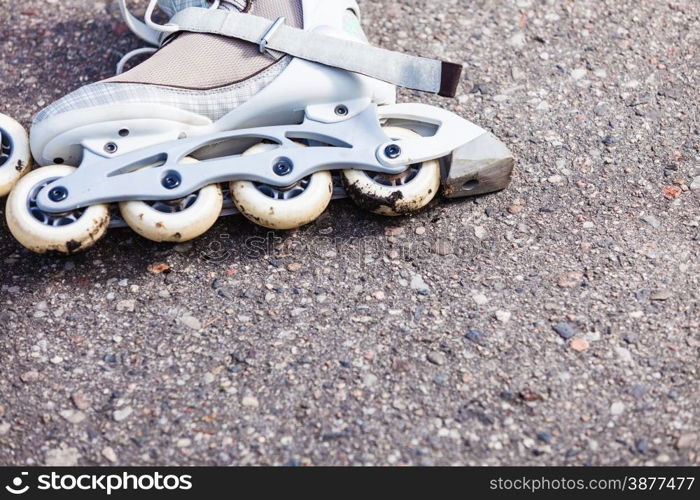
x=175, y=221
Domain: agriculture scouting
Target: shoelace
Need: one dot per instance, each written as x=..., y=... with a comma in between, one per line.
x=149, y=30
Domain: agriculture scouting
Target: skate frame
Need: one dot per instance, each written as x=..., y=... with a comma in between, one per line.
x=349, y=133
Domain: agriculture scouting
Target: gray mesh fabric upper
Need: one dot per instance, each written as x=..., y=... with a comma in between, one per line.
x=203, y=61
x=231, y=71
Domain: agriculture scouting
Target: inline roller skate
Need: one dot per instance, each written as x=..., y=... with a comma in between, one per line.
x=279, y=105
x=15, y=159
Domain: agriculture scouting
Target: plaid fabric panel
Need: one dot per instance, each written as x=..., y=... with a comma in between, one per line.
x=213, y=103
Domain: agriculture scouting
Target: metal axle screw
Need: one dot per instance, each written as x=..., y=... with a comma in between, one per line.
x=58, y=194
x=171, y=181
x=392, y=151
x=283, y=166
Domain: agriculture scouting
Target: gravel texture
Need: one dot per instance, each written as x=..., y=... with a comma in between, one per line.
x=557, y=322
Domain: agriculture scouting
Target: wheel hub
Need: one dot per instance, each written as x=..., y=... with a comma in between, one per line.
x=396, y=180
x=174, y=206
x=51, y=219
x=285, y=193
x=5, y=147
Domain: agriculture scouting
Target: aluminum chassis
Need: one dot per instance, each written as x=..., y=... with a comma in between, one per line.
x=475, y=162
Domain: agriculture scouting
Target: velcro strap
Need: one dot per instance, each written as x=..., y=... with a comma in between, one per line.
x=418, y=73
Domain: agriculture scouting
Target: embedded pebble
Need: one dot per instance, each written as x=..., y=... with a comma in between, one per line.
x=652, y=221
x=73, y=416
x=564, y=330
x=191, y=322
x=570, y=280
x=661, y=295
x=475, y=336
x=126, y=305
x=617, y=408
x=62, y=457
x=623, y=354
x=518, y=40
x=578, y=73
x=503, y=316
x=419, y=285
x=641, y=445
x=639, y=391
x=184, y=443
x=394, y=231
x=370, y=380
x=250, y=402
x=579, y=345
x=437, y=358
x=687, y=441
x=480, y=299
x=122, y=414
x=515, y=209
x=109, y=454
x=29, y=377
x=545, y=437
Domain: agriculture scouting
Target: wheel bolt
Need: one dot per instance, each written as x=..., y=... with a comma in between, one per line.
x=58, y=194
x=282, y=167
x=392, y=151
x=171, y=180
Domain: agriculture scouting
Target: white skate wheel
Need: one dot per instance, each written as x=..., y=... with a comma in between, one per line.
x=394, y=195
x=15, y=159
x=41, y=232
x=178, y=220
x=289, y=208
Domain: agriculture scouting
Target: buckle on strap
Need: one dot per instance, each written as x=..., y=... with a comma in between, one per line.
x=268, y=35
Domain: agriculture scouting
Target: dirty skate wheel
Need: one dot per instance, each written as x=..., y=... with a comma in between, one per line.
x=41, y=232
x=15, y=159
x=175, y=221
x=282, y=208
x=398, y=194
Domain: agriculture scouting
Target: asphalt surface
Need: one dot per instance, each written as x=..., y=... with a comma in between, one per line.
x=556, y=322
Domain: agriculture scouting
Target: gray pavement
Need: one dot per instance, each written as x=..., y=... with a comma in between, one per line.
x=557, y=322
